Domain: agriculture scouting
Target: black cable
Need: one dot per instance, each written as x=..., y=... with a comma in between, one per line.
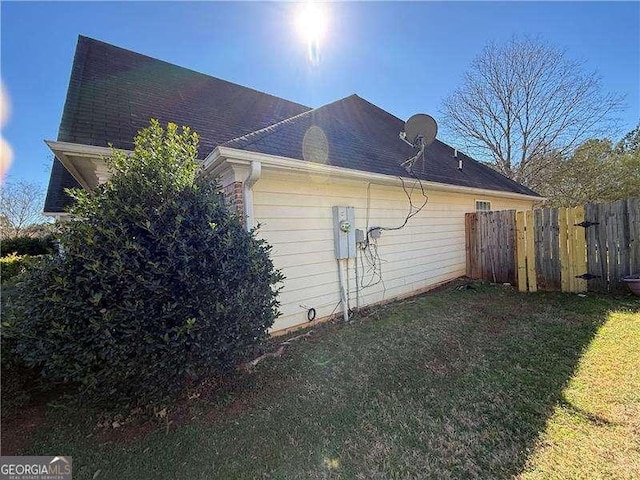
x=311, y=314
x=411, y=213
x=366, y=254
x=370, y=249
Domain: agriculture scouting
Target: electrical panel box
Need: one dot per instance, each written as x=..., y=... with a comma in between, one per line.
x=359, y=236
x=344, y=232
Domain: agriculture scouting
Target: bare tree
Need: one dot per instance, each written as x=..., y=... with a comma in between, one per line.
x=525, y=101
x=20, y=206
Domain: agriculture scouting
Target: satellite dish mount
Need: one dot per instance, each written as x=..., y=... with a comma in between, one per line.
x=419, y=131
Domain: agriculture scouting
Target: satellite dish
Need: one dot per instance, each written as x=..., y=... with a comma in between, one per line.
x=420, y=130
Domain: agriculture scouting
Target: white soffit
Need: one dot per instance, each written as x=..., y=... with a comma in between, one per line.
x=84, y=162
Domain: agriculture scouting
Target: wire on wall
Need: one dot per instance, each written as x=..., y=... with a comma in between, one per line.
x=369, y=250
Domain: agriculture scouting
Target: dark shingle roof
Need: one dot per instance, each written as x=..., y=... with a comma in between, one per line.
x=362, y=136
x=114, y=92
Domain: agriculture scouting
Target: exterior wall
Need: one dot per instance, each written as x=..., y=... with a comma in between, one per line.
x=295, y=214
x=233, y=196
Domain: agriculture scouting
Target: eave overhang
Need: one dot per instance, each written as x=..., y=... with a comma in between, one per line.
x=86, y=163
x=221, y=159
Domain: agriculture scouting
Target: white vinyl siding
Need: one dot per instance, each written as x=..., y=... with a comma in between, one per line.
x=295, y=214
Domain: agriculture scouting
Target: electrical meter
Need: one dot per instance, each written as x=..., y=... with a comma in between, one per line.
x=344, y=235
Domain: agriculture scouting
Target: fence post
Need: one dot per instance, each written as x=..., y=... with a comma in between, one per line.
x=467, y=243
x=531, y=252
x=471, y=244
x=521, y=254
x=565, y=283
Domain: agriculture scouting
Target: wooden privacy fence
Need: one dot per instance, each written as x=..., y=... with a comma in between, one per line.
x=491, y=245
x=576, y=249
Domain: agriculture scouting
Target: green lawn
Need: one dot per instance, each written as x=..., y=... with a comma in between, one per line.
x=480, y=383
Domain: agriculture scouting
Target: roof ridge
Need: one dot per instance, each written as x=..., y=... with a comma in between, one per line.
x=90, y=40
x=378, y=107
x=247, y=139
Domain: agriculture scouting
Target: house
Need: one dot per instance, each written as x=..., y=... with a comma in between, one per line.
x=285, y=166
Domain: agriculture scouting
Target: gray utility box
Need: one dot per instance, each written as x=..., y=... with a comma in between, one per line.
x=344, y=232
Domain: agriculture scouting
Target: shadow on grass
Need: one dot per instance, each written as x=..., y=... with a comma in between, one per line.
x=453, y=384
x=583, y=414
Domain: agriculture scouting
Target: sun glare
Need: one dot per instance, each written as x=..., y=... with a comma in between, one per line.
x=311, y=22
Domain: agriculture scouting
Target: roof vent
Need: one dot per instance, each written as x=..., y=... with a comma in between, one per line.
x=455, y=155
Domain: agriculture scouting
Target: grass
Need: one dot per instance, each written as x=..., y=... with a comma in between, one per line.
x=594, y=431
x=480, y=383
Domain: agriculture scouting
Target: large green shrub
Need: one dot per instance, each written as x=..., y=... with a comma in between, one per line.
x=27, y=245
x=157, y=282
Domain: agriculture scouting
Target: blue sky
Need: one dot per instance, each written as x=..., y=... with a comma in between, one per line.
x=404, y=57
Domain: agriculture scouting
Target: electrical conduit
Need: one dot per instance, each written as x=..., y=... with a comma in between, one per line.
x=343, y=296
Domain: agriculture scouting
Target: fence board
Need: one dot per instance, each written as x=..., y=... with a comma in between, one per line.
x=481, y=246
x=521, y=252
x=511, y=253
x=545, y=252
x=633, y=208
x=538, y=227
x=555, y=249
x=564, y=250
x=612, y=246
x=468, y=241
x=571, y=256
x=497, y=244
x=593, y=249
x=623, y=239
x=476, y=248
x=492, y=240
x=530, y=249
x=486, y=244
x=501, y=247
x=603, y=247
x=580, y=250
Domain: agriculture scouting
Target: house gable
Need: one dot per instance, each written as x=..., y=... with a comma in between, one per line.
x=114, y=92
